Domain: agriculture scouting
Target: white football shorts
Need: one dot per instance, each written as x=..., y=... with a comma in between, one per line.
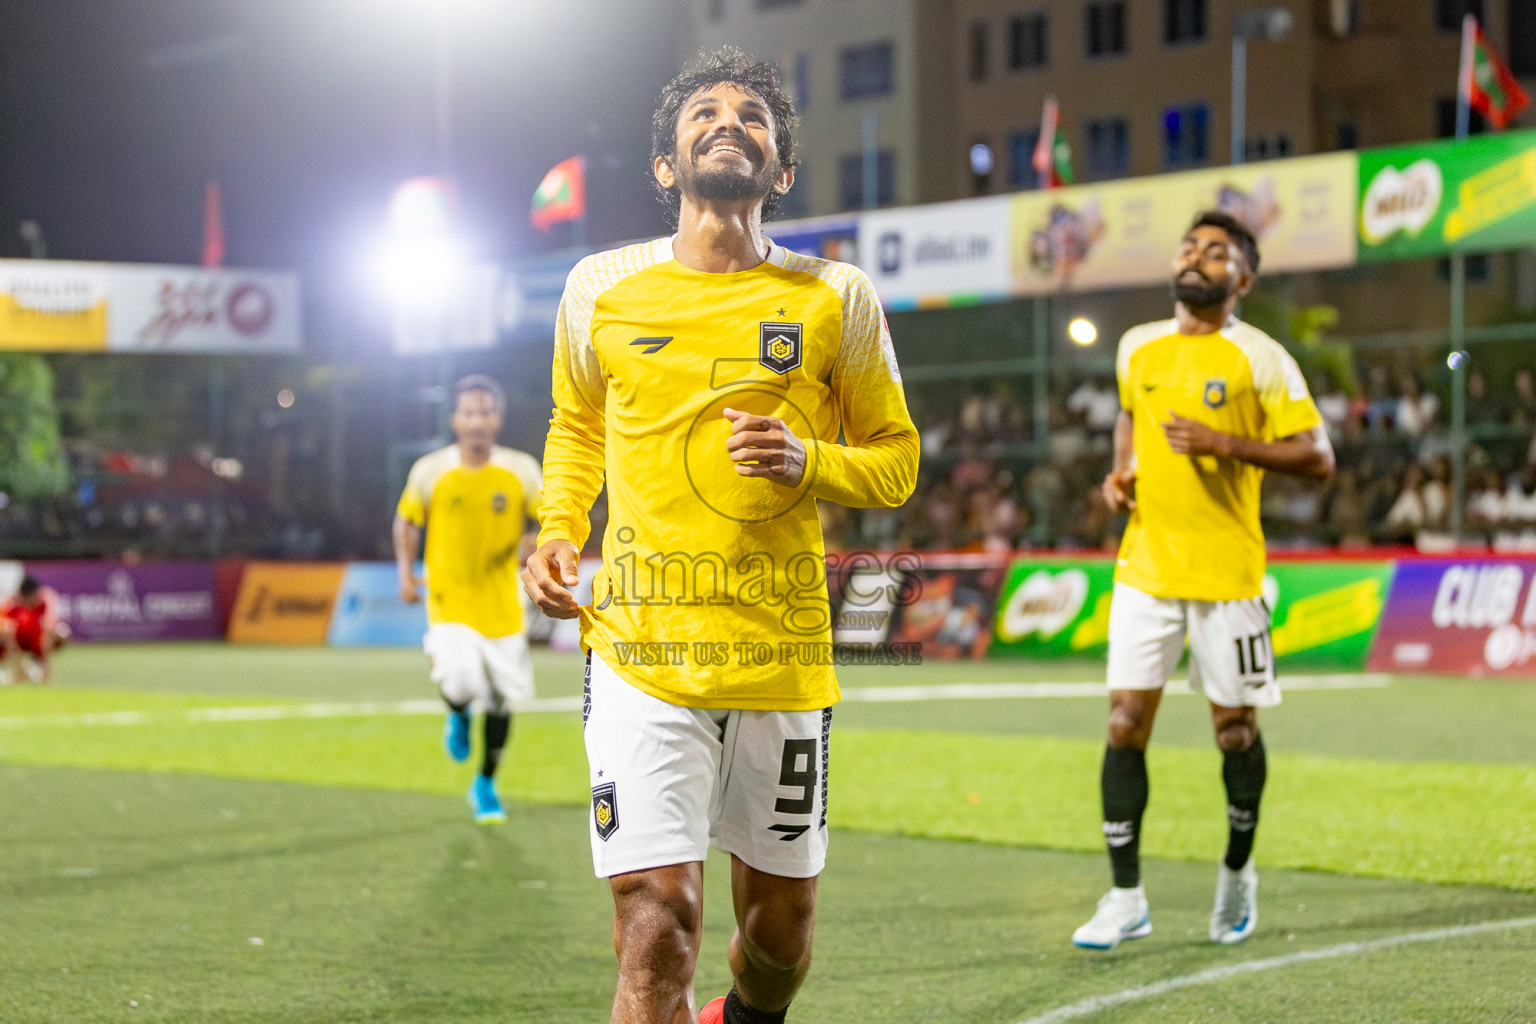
x=1231, y=659
x=487, y=672
x=670, y=781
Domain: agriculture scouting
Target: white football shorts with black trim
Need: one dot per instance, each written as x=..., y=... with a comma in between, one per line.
x=1231, y=659
x=670, y=781
x=473, y=669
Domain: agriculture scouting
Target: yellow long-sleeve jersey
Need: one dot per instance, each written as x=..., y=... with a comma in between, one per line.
x=713, y=588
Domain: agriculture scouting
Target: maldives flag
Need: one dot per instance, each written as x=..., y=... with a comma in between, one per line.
x=213, y=227
x=1053, y=156
x=1487, y=85
x=562, y=195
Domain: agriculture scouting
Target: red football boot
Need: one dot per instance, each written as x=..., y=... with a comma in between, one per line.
x=713, y=1012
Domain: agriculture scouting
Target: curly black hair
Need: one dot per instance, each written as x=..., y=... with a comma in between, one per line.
x=727, y=64
x=1236, y=230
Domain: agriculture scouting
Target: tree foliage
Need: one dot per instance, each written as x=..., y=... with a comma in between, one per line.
x=32, y=462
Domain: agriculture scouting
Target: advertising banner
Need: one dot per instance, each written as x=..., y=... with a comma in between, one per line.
x=1052, y=608
x=60, y=305
x=154, y=601
x=1467, y=616
x=831, y=238
x=949, y=610
x=1123, y=233
x=369, y=612
x=1426, y=200
x=941, y=254
x=285, y=602
x=1324, y=612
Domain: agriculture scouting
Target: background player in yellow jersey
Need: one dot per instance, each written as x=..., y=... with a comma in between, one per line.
x=1208, y=403
x=471, y=498
x=706, y=377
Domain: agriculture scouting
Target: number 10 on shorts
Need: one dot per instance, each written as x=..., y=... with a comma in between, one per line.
x=1253, y=654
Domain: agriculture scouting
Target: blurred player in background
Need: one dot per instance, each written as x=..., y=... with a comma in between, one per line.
x=30, y=632
x=471, y=499
x=1208, y=403
x=707, y=376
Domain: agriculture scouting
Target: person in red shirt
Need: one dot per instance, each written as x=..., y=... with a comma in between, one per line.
x=30, y=626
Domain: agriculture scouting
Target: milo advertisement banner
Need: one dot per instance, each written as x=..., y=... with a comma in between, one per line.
x=1426, y=200
x=1325, y=612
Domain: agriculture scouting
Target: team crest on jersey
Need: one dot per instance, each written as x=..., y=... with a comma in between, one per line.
x=498, y=503
x=605, y=810
x=1215, y=393
x=779, y=346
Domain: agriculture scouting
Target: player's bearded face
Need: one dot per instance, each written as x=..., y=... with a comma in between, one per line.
x=725, y=146
x=1206, y=270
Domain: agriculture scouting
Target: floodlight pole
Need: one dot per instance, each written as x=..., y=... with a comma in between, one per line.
x=442, y=88
x=1239, y=97
x=1459, y=312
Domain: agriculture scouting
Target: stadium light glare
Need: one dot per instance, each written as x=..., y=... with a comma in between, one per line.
x=285, y=398
x=1082, y=331
x=1456, y=360
x=419, y=271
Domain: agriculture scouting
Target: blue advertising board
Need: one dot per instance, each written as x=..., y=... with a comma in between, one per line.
x=369, y=612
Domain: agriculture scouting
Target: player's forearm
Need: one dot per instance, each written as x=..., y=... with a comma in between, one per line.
x=573, y=478
x=1125, y=442
x=407, y=539
x=880, y=473
x=1303, y=455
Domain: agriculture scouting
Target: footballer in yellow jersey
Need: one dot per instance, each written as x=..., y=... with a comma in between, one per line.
x=1208, y=403
x=718, y=385
x=472, y=499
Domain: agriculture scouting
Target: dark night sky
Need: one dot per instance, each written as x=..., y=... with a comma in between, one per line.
x=114, y=113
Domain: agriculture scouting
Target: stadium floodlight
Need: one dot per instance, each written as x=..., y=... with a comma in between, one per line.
x=982, y=159
x=1082, y=331
x=285, y=398
x=1270, y=25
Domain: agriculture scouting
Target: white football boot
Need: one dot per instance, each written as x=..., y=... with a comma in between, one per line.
x=1237, y=904
x=1122, y=915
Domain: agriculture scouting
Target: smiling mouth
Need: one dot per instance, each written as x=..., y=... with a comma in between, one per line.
x=725, y=146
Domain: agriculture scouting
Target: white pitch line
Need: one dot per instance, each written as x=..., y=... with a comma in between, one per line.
x=545, y=705
x=1024, y=691
x=1131, y=995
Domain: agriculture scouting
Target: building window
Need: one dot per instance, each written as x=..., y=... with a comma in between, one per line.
x=850, y=180
x=1183, y=21
x=1522, y=39
x=1184, y=135
x=802, y=83
x=1448, y=13
x=1445, y=119
x=866, y=70
x=1479, y=268
x=1106, y=28
x=1026, y=42
x=1109, y=148
x=979, y=58
x=1267, y=147
x=1021, y=159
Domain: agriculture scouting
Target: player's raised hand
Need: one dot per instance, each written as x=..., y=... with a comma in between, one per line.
x=764, y=446
x=1191, y=437
x=549, y=574
x=1119, y=488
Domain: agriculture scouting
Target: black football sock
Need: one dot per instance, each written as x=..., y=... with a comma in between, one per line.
x=1244, y=772
x=1124, y=787
x=498, y=725
x=738, y=1012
